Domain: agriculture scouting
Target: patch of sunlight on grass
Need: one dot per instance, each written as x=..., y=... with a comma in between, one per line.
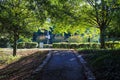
x=7, y=58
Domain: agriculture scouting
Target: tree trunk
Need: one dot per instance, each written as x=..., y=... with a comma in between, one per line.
x=15, y=44
x=102, y=38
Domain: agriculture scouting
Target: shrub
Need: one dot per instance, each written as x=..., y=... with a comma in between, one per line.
x=60, y=45
x=27, y=45
x=21, y=45
x=95, y=45
x=75, y=45
x=113, y=45
x=110, y=45
x=31, y=45
x=47, y=46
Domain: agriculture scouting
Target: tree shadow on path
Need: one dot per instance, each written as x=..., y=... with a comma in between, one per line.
x=23, y=68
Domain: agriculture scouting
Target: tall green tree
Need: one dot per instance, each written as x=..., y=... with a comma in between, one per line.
x=16, y=18
x=62, y=13
x=101, y=14
x=69, y=15
x=114, y=30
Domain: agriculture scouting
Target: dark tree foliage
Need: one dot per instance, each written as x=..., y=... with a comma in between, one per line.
x=14, y=17
x=102, y=13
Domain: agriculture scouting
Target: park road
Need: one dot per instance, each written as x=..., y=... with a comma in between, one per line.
x=63, y=66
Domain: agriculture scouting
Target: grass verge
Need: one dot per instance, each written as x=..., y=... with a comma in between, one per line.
x=105, y=64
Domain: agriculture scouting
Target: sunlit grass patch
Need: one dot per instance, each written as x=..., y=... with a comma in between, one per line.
x=7, y=58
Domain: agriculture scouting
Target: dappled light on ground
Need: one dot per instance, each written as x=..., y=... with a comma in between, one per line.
x=22, y=68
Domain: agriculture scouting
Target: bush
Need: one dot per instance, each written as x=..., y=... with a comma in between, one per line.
x=47, y=46
x=110, y=45
x=31, y=45
x=21, y=45
x=75, y=45
x=113, y=45
x=27, y=45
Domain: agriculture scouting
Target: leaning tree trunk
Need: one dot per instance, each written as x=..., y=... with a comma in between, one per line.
x=15, y=44
x=102, y=38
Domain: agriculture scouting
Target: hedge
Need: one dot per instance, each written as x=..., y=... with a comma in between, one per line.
x=75, y=45
x=21, y=45
x=27, y=45
x=113, y=45
x=85, y=45
x=47, y=45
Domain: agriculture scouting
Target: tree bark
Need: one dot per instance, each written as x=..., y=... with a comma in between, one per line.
x=102, y=38
x=15, y=44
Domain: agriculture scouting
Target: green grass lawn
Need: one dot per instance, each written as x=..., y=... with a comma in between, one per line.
x=105, y=64
x=21, y=66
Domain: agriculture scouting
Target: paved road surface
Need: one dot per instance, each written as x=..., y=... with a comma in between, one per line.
x=63, y=66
